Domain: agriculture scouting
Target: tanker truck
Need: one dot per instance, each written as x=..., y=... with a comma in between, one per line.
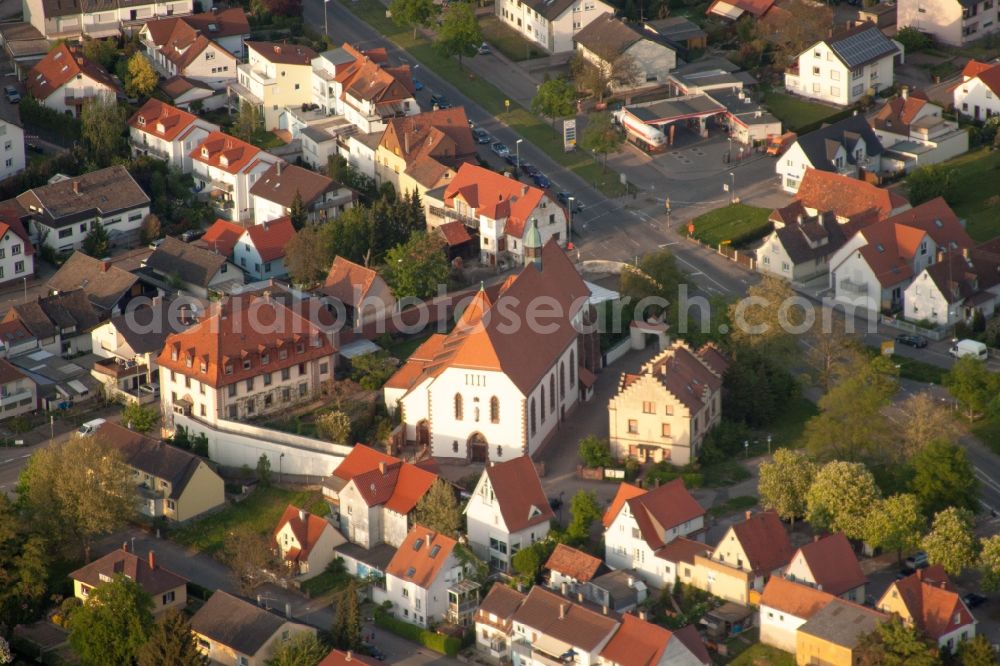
x=646, y=136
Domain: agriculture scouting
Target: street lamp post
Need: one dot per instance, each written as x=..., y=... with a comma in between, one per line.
x=729, y=150
x=570, y=201
x=769, y=445
x=746, y=447
x=326, y=31
x=517, y=156
x=25, y=288
x=52, y=428
x=732, y=187
x=281, y=459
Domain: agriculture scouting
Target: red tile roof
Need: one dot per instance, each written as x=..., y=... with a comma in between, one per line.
x=640, y=643
x=282, y=182
x=846, y=197
x=573, y=563
x=932, y=602
x=974, y=68
x=990, y=78
x=897, y=114
x=361, y=459
x=59, y=66
x=683, y=549
x=501, y=602
x=626, y=491
x=795, y=599
x=152, y=579
x=421, y=556
x=756, y=8
x=340, y=658
x=225, y=152
x=161, y=120
x=285, y=54
x=384, y=480
x=496, y=196
x=270, y=238
x=833, y=564
x=349, y=282
x=518, y=492
x=9, y=373
x=221, y=237
x=764, y=541
x=658, y=510
x=306, y=527
x=454, y=233
x=431, y=143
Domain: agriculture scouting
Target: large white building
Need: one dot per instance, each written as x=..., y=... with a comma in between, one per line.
x=226, y=168
x=843, y=69
x=64, y=79
x=75, y=19
x=493, y=390
x=12, y=157
x=160, y=130
x=952, y=22
x=420, y=574
x=978, y=95
x=551, y=24
x=848, y=147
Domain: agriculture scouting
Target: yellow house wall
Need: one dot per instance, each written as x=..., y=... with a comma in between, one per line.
x=205, y=491
x=391, y=168
x=180, y=597
x=225, y=655
x=890, y=604
x=812, y=650
x=722, y=581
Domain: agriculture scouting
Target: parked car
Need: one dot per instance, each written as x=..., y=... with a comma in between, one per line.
x=917, y=561
x=529, y=170
x=481, y=136
x=90, y=427
x=972, y=348
x=12, y=95
x=418, y=84
x=484, y=49
x=513, y=159
x=150, y=389
x=192, y=234
x=542, y=181
x=973, y=599
x=917, y=341
x=440, y=101
x=564, y=197
x=373, y=651
x=500, y=149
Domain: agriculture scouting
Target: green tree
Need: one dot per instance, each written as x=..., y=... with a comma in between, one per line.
x=247, y=122
x=372, y=371
x=303, y=649
x=113, y=624
x=102, y=124
x=6, y=656
x=651, y=287
x=977, y=652
x=929, y=182
x=784, y=483
x=893, y=643
x=346, y=629
x=895, y=523
x=104, y=52
x=417, y=267
x=97, y=243
x=335, y=426
x=768, y=319
x=943, y=477
x=298, y=213
x=307, y=256
x=555, y=99
x=989, y=561
x=77, y=491
x=840, y=498
x=585, y=512
x=950, y=542
x=171, y=644
x=831, y=355
x=913, y=40
x=926, y=420
x=459, y=34
x=601, y=136
x=589, y=77
x=414, y=13
x=142, y=78
x=438, y=509
x=150, y=229
x=972, y=384
x=528, y=561
x=757, y=387
x=139, y=418
x=595, y=452
x=248, y=554
x=264, y=470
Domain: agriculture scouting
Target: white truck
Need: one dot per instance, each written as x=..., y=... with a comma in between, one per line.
x=971, y=348
x=649, y=134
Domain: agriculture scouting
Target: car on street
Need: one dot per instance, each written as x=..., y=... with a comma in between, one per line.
x=484, y=49
x=192, y=234
x=564, y=198
x=917, y=561
x=542, y=181
x=418, y=84
x=481, y=136
x=373, y=651
x=12, y=95
x=513, y=159
x=500, y=149
x=916, y=341
x=974, y=599
x=440, y=101
x=529, y=170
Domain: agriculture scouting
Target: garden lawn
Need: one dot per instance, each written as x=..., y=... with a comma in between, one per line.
x=326, y=582
x=796, y=113
x=977, y=192
x=735, y=223
x=918, y=370
x=259, y=512
x=988, y=432
x=532, y=128
x=763, y=655
x=506, y=40
x=403, y=349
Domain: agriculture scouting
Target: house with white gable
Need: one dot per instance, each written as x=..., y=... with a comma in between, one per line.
x=508, y=511
x=848, y=147
x=977, y=97
x=306, y=542
x=225, y=169
x=914, y=132
x=956, y=286
x=784, y=607
x=423, y=574
x=176, y=48
x=844, y=68
x=952, y=22
x=160, y=130
x=12, y=157
x=551, y=24
x=570, y=570
x=489, y=391
x=276, y=190
x=64, y=79
x=499, y=210
x=641, y=522
x=829, y=564
x=17, y=254
x=260, y=251
x=929, y=602
x=547, y=627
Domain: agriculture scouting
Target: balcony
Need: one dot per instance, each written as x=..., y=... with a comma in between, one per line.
x=463, y=599
x=449, y=215
x=852, y=287
x=119, y=369
x=12, y=399
x=150, y=150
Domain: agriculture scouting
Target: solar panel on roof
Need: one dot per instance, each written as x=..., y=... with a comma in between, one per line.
x=862, y=47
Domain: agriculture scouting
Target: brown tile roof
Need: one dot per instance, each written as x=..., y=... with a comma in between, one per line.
x=244, y=329
x=59, y=67
x=284, y=54
x=46, y=316
x=626, y=491
x=501, y=602
x=340, y=658
x=420, y=557
x=556, y=617
x=192, y=264
x=756, y=8
x=8, y=373
x=161, y=120
x=519, y=493
x=235, y=623
x=104, y=284
x=964, y=275
x=932, y=602
x=221, y=237
x=686, y=374
x=454, y=233
x=13, y=333
x=184, y=44
x=385, y=87
x=494, y=195
x=683, y=549
x=280, y=183
x=974, y=68
x=573, y=563
x=176, y=86
x=153, y=580
x=431, y=143
x=103, y=192
x=227, y=22
x=306, y=527
x=764, y=541
x=384, y=480
x=897, y=114
x=607, y=36
x=151, y=456
x=662, y=508
x=641, y=643
x=225, y=152
x=795, y=599
x=349, y=282
x=270, y=238
x=833, y=564
x=846, y=197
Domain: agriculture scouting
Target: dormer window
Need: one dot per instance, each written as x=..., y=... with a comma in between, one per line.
x=173, y=354
x=229, y=369
x=265, y=359
x=282, y=354
x=299, y=348
x=246, y=364
x=204, y=152
x=204, y=366
x=188, y=362
x=142, y=121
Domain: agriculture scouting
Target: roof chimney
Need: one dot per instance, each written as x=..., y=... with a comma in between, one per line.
x=749, y=514
x=904, y=92
x=76, y=187
x=278, y=167
x=125, y=546
x=579, y=597
x=302, y=515
x=105, y=266
x=562, y=611
x=152, y=560
x=604, y=608
x=642, y=615
x=381, y=467
x=349, y=656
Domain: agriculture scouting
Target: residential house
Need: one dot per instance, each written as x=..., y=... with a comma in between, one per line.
x=748, y=555
x=949, y=21
x=191, y=268
x=73, y=19
x=164, y=131
x=956, y=286
x=844, y=68
x=362, y=292
x=829, y=564
x=108, y=287
x=306, y=542
x=682, y=32
x=421, y=576
x=499, y=210
x=495, y=622
x=828, y=209
x=551, y=25
x=177, y=48
x=183, y=93
x=228, y=366
x=616, y=592
x=341, y=658
x=274, y=76
x=260, y=251
x=570, y=570
x=641, y=522
x=64, y=79
x=630, y=58
x=977, y=97
x=167, y=590
x=508, y=510
x=18, y=391
x=359, y=150
x=12, y=159
x=878, y=263
x=641, y=643
x=665, y=411
x=424, y=151
x=375, y=495
x=62, y=213
x=784, y=607
x=173, y=484
x=848, y=147
x=927, y=601
x=914, y=133
x=678, y=558
x=60, y=323
x=226, y=26
x=833, y=633
x=17, y=254
x=733, y=10
x=221, y=238
x=529, y=378
x=229, y=630
x=547, y=626
x=15, y=339
x=276, y=190
x=225, y=168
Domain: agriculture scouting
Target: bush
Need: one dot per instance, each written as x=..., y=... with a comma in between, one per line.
x=595, y=452
x=913, y=40
x=446, y=645
x=664, y=472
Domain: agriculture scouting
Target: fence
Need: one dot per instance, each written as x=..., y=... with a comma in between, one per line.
x=932, y=333
x=616, y=352
x=742, y=258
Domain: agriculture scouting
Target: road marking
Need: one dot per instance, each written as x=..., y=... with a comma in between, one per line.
x=708, y=277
